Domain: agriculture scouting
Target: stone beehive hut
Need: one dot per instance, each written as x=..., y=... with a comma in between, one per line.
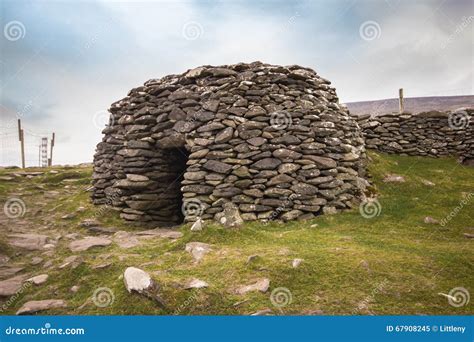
x=245, y=141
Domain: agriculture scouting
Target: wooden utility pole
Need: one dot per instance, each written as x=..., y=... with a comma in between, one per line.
x=400, y=100
x=21, y=137
x=50, y=160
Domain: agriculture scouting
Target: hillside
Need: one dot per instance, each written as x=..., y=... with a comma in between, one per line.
x=388, y=261
x=412, y=104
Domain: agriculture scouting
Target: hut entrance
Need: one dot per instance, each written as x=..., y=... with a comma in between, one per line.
x=176, y=159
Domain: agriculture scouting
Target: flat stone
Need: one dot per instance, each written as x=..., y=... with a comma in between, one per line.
x=72, y=261
x=161, y=233
x=216, y=166
x=39, y=279
x=41, y=305
x=125, y=239
x=195, y=284
x=29, y=241
x=197, y=226
x=430, y=220
x=89, y=242
x=260, y=285
x=393, y=179
x=198, y=250
x=11, y=286
x=296, y=262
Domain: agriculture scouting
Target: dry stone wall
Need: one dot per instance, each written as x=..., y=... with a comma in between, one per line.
x=245, y=141
x=431, y=133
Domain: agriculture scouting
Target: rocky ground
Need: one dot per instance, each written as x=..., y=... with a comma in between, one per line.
x=409, y=251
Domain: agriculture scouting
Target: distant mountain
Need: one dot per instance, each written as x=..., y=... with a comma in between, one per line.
x=412, y=104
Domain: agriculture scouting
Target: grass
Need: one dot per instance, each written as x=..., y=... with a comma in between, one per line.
x=392, y=263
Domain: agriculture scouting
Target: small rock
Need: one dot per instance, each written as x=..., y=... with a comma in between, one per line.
x=392, y=178
x=89, y=223
x=264, y=312
x=197, y=226
x=41, y=305
x=261, y=285
x=11, y=286
x=39, y=279
x=102, y=266
x=195, y=284
x=89, y=242
x=74, y=289
x=125, y=239
x=68, y=216
x=137, y=280
x=28, y=241
x=72, y=261
x=252, y=258
x=296, y=262
x=230, y=216
x=365, y=265
x=430, y=220
x=427, y=182
x=36, y=260
x=197, y=249
x=468, y=235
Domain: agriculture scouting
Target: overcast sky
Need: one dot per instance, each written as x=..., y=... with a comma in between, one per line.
x=63, y=63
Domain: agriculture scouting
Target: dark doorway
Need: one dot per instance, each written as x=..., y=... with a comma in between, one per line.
x=176, y=159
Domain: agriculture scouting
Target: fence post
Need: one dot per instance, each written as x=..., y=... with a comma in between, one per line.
x=400, y=100
x=50, y=160
x=21, y=137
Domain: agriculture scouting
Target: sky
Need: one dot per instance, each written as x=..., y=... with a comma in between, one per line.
x=62, y=63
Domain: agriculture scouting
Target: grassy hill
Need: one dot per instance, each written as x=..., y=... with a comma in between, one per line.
x=393, y=263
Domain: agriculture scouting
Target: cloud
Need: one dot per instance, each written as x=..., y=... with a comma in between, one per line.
x=78, y=58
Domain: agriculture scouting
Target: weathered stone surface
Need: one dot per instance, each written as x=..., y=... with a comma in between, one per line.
x=28, y=241
x=39, y=279
x=195, y=284
x=11, y=286
x=41, y=305
x=198, y=250
x=260, y=285
x=255, y=135
x=89, y=242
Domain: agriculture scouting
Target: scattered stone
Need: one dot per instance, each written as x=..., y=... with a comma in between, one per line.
x=11, y=286
x=430, y=220
x=8, y=271
x=41, y=305
x=264, y=312
x=427, y=182
x=125, y=239
x=261, y=285
x=252, y=258
x=137, y=280
x=68, y=216
x=36, y=261
x=296, y=262
x=197, y=226
x=230, y=216
x=161, y=233
x=39, y=279
x=29, y=241
x=195, y=284
x=89, y=223
x=74, y=288
x=468, y=235
x=198, y=250
x=89, y=242
x=72, y=261
x=102, y=266
x=394, y=179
